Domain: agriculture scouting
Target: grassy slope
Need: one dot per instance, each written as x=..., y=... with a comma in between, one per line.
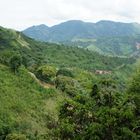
x=24, y=103
x=26, y=107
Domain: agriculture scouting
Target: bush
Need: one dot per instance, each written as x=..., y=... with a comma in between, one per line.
x=15, y=62
x=65, y=72
x=46, y=73
x=68, y=85
x=16, y=137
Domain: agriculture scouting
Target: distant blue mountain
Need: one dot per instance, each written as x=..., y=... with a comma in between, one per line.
x=78, y=29
x=37, y=32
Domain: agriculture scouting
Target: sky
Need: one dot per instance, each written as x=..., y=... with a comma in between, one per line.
x=20, y=14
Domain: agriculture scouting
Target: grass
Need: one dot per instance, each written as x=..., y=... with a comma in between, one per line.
x=25, y=106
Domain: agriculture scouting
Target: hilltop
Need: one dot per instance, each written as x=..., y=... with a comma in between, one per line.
x=105, y=37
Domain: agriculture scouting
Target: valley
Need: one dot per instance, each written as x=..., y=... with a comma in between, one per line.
x=105, y=37
x=55, y=91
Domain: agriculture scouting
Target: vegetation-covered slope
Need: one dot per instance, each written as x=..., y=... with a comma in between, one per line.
x=34, y=52
x=105, y=37
x=28, y=110
x=22, y=104
x=115, y=46
x=42, y=100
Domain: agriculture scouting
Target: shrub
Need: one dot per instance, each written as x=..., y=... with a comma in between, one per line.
x=65, y=72
x=15, y=62
x=16, y=137
x=46, y=73
x=68, y=85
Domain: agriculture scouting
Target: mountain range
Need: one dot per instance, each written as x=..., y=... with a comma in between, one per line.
x=106, y=37
x=35, y=52
x=54, y=91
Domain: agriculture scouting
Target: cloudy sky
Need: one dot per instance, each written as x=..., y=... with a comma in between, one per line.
x=20, y=14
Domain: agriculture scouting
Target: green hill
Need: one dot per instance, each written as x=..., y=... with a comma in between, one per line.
x=105, y=37
x=34, y=52
x=55, y=92
x=76, y=29
x=115, y=46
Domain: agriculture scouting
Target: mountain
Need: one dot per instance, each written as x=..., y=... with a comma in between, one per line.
x=94, y=36
x=76, y=29
x=58, y=90
x=35, y=52
x=38, y=32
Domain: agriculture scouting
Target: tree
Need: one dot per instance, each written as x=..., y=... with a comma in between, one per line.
x=15, y=62
x=94, y=90
x=107, y=115
x=134, y=94
x=68, y=85
x=65, y=72
x=46, y=73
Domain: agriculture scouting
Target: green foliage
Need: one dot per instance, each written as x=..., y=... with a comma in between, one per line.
x=92, y=106
x=36, y=53
x=94, y=90
x=134, y=89
x=15, y=137
x=46, y=73
x=105, y=37
x=68, y=85
x=135, y=83
x=83, y=59
x=107, y=115
x=15, y=62
x=65, y=72
x=23, y=104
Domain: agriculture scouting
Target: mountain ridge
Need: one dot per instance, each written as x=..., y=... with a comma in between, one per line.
x=104, y=36
x=95, y=30
x=35, y=52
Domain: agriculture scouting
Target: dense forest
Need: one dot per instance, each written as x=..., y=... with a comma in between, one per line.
x=57, y=92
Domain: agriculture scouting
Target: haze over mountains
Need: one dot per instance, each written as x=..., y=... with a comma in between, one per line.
x=106, y=37
x=78, y=29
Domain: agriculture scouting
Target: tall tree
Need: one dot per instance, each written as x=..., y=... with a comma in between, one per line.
x=15, y=62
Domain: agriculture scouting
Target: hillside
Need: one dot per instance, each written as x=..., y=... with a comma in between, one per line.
x=105, y=37
x=38, y=32
x=30, y=111
x=115, y=46
x=34, y=52
x=23, y=104
x=55, y=92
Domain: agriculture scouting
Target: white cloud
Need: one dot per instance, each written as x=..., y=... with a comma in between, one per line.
x=20, y=14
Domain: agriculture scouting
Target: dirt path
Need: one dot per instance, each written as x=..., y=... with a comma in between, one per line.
x=43, y=84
